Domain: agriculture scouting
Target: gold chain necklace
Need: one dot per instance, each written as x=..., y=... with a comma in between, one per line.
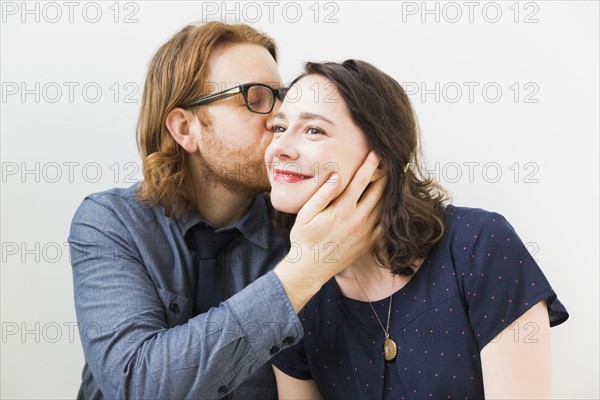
x=390, y=349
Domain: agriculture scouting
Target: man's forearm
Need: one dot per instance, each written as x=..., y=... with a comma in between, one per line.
x=207, y=357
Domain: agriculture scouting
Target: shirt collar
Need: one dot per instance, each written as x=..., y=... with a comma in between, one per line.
x=254, y=225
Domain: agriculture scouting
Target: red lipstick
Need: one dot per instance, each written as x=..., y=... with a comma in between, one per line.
x=289, y=176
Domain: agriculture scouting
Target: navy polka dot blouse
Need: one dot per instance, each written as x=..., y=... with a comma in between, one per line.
x=477, y=281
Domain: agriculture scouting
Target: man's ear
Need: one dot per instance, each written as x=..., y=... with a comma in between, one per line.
x=183, y=125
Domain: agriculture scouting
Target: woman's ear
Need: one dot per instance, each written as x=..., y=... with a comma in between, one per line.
x=184, y=126
x=379, y=172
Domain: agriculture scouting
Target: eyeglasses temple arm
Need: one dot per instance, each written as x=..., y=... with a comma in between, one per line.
x=216, y=97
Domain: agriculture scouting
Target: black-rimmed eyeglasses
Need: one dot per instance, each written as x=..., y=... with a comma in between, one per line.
x=259, y=98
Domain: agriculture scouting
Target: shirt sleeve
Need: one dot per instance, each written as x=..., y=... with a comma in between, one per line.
x=499, y=278
x=293, y=360
x=128, y=345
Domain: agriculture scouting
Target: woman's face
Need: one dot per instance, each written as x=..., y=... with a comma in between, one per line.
x=313, y=137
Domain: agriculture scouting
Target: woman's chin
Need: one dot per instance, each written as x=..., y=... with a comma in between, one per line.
x=285, y=205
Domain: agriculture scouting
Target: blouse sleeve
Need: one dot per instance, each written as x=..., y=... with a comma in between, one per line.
x=500, y=280
x=293, y=360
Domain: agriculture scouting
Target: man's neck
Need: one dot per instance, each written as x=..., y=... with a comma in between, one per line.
x=221, y=207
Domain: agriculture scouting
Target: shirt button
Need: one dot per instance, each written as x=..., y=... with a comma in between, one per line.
x=274, y=350
x=288, y=340
x=223, y=389
x=174, y=307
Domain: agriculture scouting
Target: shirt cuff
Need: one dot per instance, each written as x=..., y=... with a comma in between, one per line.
x=266, y=317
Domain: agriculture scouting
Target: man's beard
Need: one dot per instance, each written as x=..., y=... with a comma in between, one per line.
x=239, y=170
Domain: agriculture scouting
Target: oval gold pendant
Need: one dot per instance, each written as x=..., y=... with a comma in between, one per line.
x=390, y=350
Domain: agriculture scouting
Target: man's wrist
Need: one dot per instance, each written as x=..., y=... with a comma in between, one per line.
x=300, y=281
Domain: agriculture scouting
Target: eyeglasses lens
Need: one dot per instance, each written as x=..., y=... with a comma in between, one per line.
x=260, y=99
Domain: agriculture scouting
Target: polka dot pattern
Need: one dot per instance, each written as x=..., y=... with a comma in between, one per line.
x=473, y=284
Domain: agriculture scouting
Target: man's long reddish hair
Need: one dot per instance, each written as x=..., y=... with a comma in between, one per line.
x=176, y=76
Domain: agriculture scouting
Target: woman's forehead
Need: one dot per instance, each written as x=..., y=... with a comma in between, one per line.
x=311, y=93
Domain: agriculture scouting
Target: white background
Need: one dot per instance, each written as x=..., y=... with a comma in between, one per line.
x=535, y=142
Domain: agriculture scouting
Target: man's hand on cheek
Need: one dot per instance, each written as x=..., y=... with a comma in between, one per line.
x=329, y=234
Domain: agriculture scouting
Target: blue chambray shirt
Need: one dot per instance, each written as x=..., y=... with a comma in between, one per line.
x=135, y=278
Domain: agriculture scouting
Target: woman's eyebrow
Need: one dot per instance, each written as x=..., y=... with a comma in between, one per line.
x=309, y=116
x=304, y=116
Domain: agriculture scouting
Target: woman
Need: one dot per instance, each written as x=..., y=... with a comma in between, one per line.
x=447, y=304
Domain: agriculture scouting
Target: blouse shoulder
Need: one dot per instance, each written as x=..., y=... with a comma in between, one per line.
x=497, y=276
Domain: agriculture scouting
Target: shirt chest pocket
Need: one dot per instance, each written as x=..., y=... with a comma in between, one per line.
x=178, y=309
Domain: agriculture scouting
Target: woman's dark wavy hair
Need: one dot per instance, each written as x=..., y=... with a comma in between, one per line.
x=412, y=205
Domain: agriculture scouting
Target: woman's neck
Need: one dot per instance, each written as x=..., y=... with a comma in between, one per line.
x=376, y=282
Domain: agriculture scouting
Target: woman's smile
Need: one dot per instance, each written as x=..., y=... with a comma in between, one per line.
x=288, y=176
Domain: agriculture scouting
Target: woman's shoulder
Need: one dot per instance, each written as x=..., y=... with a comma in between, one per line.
x=462, y=221
x=470, y=214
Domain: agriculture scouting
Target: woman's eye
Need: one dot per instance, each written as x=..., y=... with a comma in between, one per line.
x=278, y=129
x=314, y=131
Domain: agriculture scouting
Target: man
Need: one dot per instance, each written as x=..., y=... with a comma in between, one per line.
x=175, y=290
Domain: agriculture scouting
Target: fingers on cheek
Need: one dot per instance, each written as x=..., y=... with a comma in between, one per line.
x=328, y=189
x=362, y=181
